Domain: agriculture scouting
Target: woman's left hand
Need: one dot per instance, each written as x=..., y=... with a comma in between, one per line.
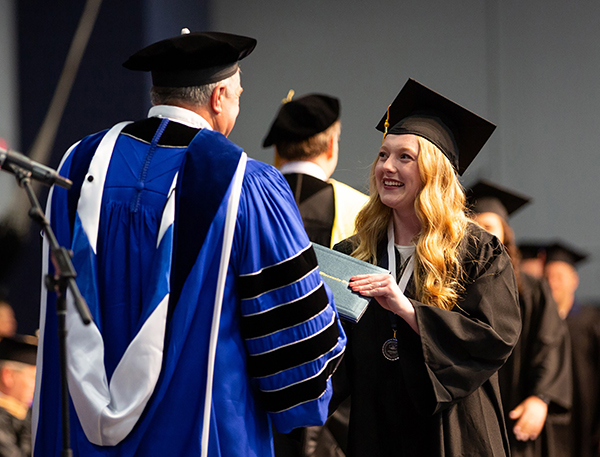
x=387, y=293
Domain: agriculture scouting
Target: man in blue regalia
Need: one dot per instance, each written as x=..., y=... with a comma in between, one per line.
x=210, y=320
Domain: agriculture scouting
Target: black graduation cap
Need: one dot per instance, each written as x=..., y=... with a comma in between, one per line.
x=20, y=348
x=532, y=249
x=459, y=133
x=560, y=251
x=487, y=197
x=192, y=59
x=302, y=118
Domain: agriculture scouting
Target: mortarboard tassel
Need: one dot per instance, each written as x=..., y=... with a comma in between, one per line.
x=386, y=124
x=289, y=97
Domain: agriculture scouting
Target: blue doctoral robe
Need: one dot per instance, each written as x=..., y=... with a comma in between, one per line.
x=138, y=375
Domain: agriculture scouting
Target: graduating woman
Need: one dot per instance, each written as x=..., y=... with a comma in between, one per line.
x=421, y=364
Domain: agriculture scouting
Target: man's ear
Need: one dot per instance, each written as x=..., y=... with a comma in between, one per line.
x=6, y=377
x=216, y=98
x=330, y=144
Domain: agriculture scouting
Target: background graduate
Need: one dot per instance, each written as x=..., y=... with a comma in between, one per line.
x=421, y=364
x=533, y=257
x=535, y=382
x=306, y=135
x=581, y=436
x=17, y=382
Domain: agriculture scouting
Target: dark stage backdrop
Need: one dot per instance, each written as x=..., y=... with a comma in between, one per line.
x=103, y=94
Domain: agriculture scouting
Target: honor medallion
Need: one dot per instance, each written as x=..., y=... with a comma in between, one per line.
x=390, y=349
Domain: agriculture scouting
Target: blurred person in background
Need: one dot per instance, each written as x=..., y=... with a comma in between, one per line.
x=581, y=436
x=306, y=135
x=17, y=382
x=535, y=381
x=533, y=258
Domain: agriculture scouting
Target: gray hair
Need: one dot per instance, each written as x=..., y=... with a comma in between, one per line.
x=195, y=95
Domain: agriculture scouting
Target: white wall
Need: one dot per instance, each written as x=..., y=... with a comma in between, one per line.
x=531, y=67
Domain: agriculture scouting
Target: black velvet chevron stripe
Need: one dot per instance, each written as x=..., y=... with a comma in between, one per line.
x=285, y=316
x=296, y=394
x=282, y=274
x=293, y=355
x=175, y=135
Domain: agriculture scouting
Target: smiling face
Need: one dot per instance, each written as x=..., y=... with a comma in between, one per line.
x=397, y=172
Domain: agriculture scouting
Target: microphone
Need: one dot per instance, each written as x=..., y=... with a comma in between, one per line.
x=39, y=172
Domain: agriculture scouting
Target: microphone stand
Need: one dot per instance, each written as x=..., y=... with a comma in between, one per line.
x=63, y=279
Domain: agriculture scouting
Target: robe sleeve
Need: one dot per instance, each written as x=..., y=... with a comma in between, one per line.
x=549, y=368
x=292, y=333
x=341, y=378
x=462, y=348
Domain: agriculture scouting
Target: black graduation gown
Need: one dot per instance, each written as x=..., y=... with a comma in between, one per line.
x=581, y=437
x=315, y=200
x=441, y=398
x=15, y=435
x=539, y=365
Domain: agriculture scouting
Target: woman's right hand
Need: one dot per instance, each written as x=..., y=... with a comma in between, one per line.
x=530, y=415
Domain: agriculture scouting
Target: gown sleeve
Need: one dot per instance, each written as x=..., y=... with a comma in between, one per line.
x=293, y=336
x=549, y=367
x=464, y=347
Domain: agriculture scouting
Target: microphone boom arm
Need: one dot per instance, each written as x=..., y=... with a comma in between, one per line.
x=61, y=257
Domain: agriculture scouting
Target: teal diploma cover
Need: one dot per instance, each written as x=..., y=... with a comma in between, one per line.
x=336, y=270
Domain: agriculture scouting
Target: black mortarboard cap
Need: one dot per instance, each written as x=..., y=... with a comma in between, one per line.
x=457, y=132
x=302, y=118
x=559, y=251
x=487, y=197
x=192, y=59
x=532, y=249
x=20, y=348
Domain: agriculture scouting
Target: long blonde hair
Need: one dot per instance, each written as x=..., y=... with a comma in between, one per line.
x=440, y=208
